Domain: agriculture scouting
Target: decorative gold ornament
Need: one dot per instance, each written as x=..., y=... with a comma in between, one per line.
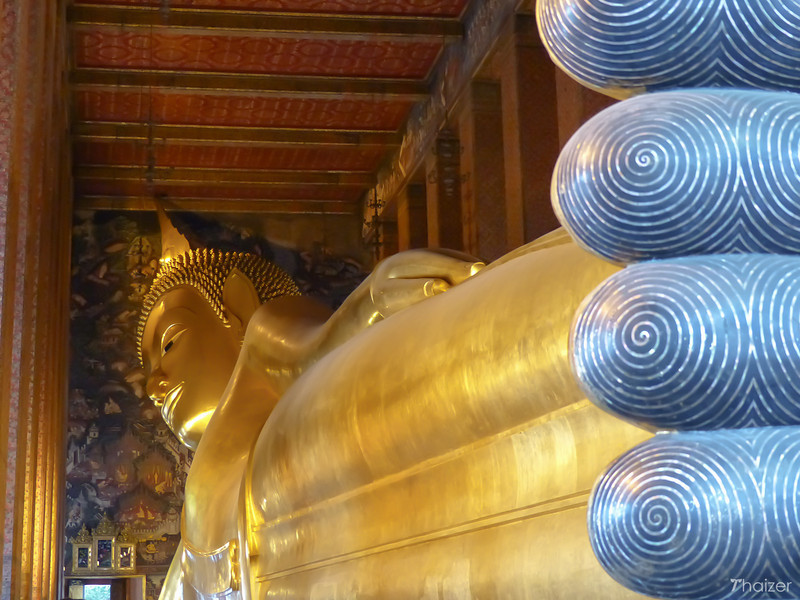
x=173, y=243
x=83, y=537
x=127, y=535
x=105, y=527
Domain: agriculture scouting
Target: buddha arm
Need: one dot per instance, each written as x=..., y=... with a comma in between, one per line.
x=212, y=488
x=288, y=334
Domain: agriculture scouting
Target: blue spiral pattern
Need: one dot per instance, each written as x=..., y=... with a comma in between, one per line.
x=627, y=47
x=694, y=343
x=702, y=342
x=676, y=173
x=683, y=514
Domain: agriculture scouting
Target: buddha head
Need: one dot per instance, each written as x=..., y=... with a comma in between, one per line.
x=191, y=327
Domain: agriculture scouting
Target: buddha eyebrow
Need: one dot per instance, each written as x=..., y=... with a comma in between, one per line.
x=170, y=334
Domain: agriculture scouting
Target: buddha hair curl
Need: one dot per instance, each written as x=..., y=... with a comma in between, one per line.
x=206, y=271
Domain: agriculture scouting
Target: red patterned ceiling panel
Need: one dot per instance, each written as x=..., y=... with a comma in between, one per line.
x=359, y=58
x=210, y=190
x=239, y=111
x=449, y=8
x=310, y=158
x=98, y=153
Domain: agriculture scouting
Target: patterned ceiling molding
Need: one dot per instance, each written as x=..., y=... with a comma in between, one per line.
x=314, y=158
x=176, y=108
x=283, y=85
x=450, y=8
x=229, y=205
x=185, y=175
x=143, y=48
x=263, y=136
x=261, y=23
x=198, y=190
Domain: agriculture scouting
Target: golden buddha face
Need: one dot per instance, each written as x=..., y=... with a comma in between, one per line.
x=189, y=355
x=190, y=330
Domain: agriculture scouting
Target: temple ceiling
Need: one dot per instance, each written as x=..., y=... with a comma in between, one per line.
x=287, y=107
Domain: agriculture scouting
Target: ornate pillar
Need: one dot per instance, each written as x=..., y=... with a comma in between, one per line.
x=412, y=217
x=389, y=239
x=444, y=193
x=35, y=207
x=530, y=130
x=482, y=165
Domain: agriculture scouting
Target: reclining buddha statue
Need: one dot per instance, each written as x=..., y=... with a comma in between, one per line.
x=429, y=439
x=424, y=440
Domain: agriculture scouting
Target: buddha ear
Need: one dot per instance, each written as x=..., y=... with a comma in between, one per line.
x=239, y=299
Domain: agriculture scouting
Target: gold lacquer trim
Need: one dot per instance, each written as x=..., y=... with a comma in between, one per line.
x=429, y=464
x=557, y=505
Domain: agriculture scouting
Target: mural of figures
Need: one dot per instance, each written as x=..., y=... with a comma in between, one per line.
x=122, y=460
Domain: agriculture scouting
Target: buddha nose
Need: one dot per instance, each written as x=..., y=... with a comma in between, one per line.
x=156, y=387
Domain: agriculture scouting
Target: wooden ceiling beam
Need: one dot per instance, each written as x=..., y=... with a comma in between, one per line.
x=305, y=25
x=282, y=85
x=228, y=205
x=187, y=175
x=261, y=136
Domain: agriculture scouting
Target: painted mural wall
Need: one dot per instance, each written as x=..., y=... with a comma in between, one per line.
x=122, y=460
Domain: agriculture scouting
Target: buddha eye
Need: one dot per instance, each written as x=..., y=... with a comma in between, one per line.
x=171, y=336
